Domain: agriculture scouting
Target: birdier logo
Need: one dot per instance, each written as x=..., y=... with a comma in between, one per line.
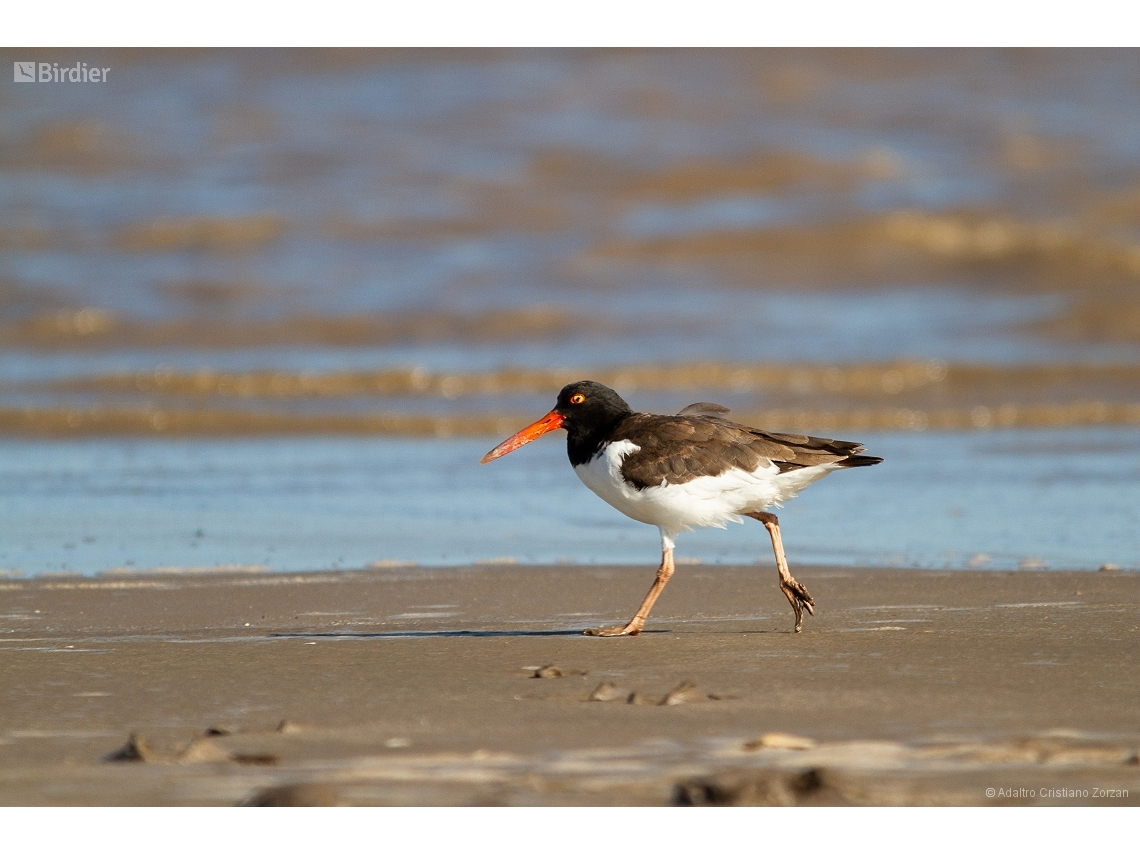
x=50, y=72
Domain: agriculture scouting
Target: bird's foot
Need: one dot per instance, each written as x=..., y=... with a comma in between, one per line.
x=800, y=599
x=630, y=628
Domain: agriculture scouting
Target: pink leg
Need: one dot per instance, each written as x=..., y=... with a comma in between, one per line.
x=638, y=620
x=795, y=592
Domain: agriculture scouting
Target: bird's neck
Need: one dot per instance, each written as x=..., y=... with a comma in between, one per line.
x=583, y=442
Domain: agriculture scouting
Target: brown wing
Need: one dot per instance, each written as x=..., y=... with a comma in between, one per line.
x=704, y=408
x=683, y=447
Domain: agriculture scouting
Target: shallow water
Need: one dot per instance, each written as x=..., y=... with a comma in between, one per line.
x=456, y=214
x=676, y=205
x=1061, y=499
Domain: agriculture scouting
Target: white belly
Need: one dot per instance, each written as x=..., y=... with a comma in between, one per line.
x=705, y=501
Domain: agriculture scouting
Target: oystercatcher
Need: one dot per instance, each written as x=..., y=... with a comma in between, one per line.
x=696, y=468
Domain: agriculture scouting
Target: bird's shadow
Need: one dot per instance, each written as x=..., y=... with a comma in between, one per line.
x=449, y=633
x=494, y=634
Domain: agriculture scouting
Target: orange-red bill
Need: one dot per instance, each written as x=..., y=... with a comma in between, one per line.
x=529, y=433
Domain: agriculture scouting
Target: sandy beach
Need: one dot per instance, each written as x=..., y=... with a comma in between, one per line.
x=473, y=686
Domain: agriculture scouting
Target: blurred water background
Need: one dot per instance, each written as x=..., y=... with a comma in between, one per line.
x=267, y=308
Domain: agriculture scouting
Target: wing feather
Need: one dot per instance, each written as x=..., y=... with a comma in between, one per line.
x=697, y=443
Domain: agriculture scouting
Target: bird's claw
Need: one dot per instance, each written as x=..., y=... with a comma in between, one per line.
x=611, y=631
x=800, y=599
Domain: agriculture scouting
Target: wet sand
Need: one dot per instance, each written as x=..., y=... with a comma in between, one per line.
x=405, y=685
x=900, y=395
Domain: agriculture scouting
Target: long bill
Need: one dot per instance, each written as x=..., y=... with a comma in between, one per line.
x=529, y=433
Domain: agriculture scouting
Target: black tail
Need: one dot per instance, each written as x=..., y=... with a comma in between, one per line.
x=860, y=460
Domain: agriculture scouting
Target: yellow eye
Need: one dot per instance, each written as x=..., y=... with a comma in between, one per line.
x=577, y=399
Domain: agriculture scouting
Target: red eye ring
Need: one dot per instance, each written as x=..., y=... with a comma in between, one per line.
x=577, y=398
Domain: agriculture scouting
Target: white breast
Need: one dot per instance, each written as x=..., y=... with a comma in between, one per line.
x=602, y=474
x=710, y=500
